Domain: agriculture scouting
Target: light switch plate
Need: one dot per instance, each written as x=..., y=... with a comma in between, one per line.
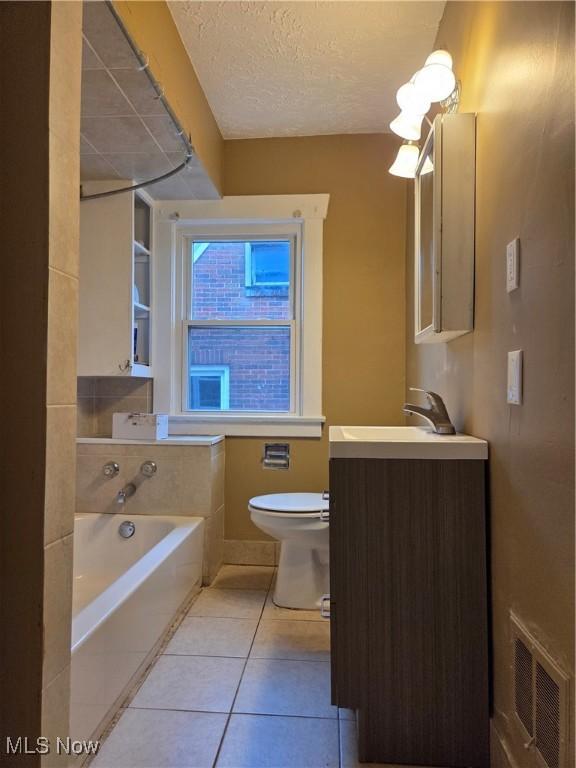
x=513, y=265
x=514, y=393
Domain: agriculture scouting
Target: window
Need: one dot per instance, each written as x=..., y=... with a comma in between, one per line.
x=209, y=388
x=238, y=329
x=241, y=319
x=268, y=264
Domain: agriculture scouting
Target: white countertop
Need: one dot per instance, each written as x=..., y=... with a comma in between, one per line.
x=172, y=440
x=403, y=443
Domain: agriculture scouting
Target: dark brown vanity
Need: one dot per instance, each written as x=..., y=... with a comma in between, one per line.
x=408, y=588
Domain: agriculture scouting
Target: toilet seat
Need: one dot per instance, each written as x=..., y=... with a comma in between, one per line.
x=300, y=505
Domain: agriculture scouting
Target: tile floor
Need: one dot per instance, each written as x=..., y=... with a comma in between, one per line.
x=241, y=684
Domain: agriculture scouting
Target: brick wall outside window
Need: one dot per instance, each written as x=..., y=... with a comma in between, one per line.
x=220, y=292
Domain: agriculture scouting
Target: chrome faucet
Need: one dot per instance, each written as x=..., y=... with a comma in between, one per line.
x=125, y=493
x=436, y=414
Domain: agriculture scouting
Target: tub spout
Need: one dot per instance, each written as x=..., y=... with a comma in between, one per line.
x=125, y=493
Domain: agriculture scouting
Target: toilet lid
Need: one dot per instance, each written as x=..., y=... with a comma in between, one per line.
x=290, y=502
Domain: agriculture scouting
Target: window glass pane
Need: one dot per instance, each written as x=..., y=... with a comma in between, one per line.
x=241, y=280
x=205, y=392
x=257, y=360
x=270, y=263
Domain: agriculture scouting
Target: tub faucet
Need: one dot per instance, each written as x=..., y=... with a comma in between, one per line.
x=125, y=493
x=436, y=414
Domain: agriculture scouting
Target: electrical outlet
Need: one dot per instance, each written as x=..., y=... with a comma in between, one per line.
x=514, y=393
x=513, y=265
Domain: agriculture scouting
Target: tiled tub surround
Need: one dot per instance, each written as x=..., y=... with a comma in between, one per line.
x=127, y=592
x=99, y=398
x=189, y=481
x=241, y=684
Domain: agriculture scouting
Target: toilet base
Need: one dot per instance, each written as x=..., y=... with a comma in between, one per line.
x=302, y=576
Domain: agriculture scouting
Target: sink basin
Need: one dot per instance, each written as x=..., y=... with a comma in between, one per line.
x=403, y=443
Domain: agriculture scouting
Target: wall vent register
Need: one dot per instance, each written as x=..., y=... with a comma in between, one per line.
x=541, y=691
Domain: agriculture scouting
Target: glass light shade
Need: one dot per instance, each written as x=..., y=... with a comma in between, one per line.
x=427, y=166
x=410, y=100
x=408, y=126
x=440, y=57
x=435, y=81
x=406, y=161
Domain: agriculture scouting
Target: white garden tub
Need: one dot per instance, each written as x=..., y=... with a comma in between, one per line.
x=126, y=594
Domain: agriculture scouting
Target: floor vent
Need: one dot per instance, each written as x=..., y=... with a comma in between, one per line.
x=541, y=692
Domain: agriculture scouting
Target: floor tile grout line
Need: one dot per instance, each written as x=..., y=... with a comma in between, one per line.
x=220, y=712
x=248, y=657
x=224, y=732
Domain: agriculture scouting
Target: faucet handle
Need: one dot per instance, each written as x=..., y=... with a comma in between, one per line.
x=424, y=392
x=432, y=397
x=148, y=468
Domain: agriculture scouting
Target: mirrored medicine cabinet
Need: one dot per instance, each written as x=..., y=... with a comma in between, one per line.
x=444, y=230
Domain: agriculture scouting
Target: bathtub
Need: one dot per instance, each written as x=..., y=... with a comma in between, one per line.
x=126, y=594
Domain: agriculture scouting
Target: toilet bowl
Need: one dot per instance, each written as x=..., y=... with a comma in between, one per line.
x=294, y=520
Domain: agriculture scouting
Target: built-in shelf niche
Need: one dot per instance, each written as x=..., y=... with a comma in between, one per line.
x=141, y=292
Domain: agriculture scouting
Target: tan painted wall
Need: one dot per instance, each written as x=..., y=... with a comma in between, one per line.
x=516, y=64
x=152, y=28
x=363, y=346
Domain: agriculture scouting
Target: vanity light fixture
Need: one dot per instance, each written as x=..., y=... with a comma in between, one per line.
x=407, y=126
x=413, y=106
x=435, y=82
x=427, y=166
x=406, y=160
x=411, y=99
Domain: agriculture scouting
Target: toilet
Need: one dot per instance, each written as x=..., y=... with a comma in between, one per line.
x=294, y=519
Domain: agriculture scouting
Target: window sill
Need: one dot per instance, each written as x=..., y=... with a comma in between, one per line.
x=247, y=426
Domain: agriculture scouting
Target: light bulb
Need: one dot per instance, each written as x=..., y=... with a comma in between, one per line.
x=410, y=100
x=435, y=82
x=406, y=161
x=408, y=126
x=440, y=57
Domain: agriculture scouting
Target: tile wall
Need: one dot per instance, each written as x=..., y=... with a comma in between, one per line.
x=99, y=398
x=64, y=217
x=189, y=481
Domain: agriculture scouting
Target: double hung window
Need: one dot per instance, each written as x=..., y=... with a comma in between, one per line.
x=241, y=330
x=238, y=329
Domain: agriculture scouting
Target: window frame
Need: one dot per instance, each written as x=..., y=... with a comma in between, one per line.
x=249, y=281
x=239, y=233
x=223, y=371
x=250, y=216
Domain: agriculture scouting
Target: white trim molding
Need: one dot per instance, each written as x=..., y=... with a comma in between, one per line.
x=174, y=221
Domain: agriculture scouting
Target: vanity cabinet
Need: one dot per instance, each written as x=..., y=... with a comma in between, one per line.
x=408, y=608
x=115, y=288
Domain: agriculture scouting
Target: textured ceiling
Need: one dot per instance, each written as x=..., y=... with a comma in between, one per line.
x=305, y=68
